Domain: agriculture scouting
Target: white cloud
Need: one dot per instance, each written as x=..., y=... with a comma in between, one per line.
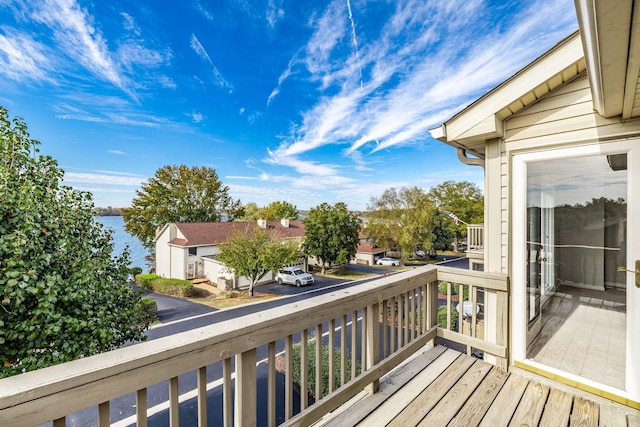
x=274, y=12
x=101, y=178
x=196, y=117
x=391, y=88
x=22, y=58
x=118, y=152
x=76, y=35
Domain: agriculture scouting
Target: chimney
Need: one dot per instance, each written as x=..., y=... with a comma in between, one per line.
x=262, y=223
x=285, y=222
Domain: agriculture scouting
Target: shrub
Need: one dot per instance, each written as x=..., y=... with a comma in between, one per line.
x=311, y=373
x=442, y=317
x=175, y=287
x=135, y=271
x=150, y=308
x=145, y=280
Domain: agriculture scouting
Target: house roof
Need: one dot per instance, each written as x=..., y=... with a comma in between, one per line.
x=607, y=47
x=214, y=233
x=368, y=248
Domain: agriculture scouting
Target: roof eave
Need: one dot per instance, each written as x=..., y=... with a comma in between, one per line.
x=482, y=120
x=606, y=29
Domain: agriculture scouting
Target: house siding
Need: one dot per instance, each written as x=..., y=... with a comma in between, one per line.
x=564, y=117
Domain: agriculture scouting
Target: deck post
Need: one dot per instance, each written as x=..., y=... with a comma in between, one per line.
x=246, y=394
x=373, y=343
x=431, y=306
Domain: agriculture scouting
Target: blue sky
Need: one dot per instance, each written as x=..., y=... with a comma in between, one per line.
x=303, y=101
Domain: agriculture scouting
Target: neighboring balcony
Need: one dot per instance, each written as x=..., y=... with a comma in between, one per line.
x=380, y=331
x=475, y=246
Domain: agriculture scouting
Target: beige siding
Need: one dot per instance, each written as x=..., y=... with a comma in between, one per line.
x=564, y=117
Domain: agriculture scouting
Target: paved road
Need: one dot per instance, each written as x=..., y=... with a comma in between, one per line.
x=171, y=309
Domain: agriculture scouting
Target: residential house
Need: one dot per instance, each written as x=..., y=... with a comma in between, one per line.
x=367, y=253
x=560, y=146
x=187, y=250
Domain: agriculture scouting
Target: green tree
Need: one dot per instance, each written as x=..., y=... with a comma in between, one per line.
x=278, y=210
x=403, y=220
x=178, y=194
x=463, y=199
x=62, y=294
x=249, y=212
x=331, y=234
x=254, y=251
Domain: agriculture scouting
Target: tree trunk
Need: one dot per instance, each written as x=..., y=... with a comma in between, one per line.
x=251, y=289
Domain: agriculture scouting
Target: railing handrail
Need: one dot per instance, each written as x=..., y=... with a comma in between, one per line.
x=128, y=369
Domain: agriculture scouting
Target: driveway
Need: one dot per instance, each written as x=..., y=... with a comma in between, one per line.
x=276, y=289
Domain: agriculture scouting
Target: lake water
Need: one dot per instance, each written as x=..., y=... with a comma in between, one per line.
x=121, y=239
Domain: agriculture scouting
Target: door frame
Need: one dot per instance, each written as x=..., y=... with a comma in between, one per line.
x=519, y=160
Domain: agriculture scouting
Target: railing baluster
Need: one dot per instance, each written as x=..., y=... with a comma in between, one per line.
x=343, y=351
x=141, y=408
x=392, y=327
x=174, y=408
x=246, y=394
x=104, y=417
x=419, y=311
x=288, y=380
x=385, y=328
x=474, y=310
x=354, y=343
x=460, y=307
x=398, y=307
x=227, y=401
x=412, y=303
x=407, y=316
x=363, y=338
x=332, y=358
x=318, y=357
x=271, y=383
x=202, y=396
x=448, y=305
x=304, y=367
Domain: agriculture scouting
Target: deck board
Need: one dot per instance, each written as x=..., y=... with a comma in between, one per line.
x=611, y=418
x=451, y=403
x=584, y=413
x=444, y=387
x=500, y=413
x=413, y=413
x=529, y=410
x=476, y=407
x=390, y=384
x=387, y=411
x=557, y=410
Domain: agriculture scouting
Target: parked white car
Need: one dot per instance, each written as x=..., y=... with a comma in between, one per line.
x=294, y=276
x=388, y=261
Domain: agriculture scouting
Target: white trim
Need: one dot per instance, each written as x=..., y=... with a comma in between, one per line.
x=519, y=162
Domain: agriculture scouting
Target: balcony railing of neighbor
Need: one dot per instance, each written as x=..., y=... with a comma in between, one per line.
x=475, y=237
x=370, y=328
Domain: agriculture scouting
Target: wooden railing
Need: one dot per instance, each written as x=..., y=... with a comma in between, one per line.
x=475, y=237
x=371, y=327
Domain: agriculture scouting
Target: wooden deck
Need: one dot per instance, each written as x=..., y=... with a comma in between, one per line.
x=442, y=387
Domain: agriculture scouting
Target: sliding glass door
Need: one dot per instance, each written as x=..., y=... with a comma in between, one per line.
x=572, y=243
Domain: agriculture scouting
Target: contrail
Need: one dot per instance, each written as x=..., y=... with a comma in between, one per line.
x=355, y=42
x=355, y=46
